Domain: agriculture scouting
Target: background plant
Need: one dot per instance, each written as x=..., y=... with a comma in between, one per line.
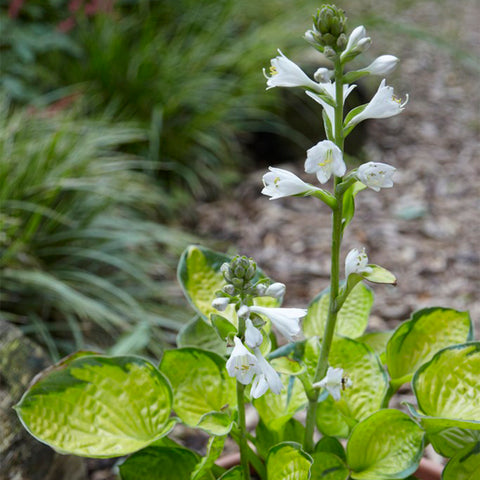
x=81, y=253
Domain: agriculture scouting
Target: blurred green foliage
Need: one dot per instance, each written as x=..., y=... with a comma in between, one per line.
x=81, y=259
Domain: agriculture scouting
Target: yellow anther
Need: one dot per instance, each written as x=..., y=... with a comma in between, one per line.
x=273, y=70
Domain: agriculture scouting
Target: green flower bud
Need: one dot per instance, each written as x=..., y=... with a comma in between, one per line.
x=328, y=26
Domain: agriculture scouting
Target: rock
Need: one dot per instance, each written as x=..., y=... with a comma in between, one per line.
x=21, y=456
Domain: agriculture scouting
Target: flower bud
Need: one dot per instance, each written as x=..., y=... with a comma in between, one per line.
x=226, y=271
x=357, y=43
x=323, y=75
x=229, y=289
x=260, y=289
x=220, y=303
x=383, y=65
x=328, y=27
x=276, y=290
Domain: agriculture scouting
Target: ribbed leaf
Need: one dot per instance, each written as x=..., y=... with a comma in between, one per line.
x=159, y=463
x=200, y=383
x=200, y=277
x=464, y=466
x=276, y=410
x=98, y=406
x=366, y=395
x=327, y=466
x=352, y=318
x=197, y=333
x=447, y=389
x=417, y=340
x=288, y=461
x=386, y=445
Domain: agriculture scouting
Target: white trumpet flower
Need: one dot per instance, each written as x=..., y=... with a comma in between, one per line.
x=280, y=183
x=330, y=90
x=253, y=336
x=242, y=364
x=325, y=159
x=334, y=382
x=265, y=378
x=356, y=262
x=285, y=73
x=384, y=104
x=376, y=175
x=286, y=320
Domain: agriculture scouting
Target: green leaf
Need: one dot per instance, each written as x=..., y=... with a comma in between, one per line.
x=98, y=406
x=450, y=441
x=235, y=473
x=293, y=431
x=331, y=445
x=327, y=466
x=159, y=463
x=370, y=382
x=348, y=206
x=197, y=333
x=418, y=339
x=216, y=423
x=379, y=275
x=386, y=445
x=287, y=366
x=377, y=341
x=287, y=460
x=331, y=421
x=276, y=410
x=199, y=381
x=224, y=327
x=447, y=389
x=464, y=466
x=200, y=277
x=352, y=318
x=214, y=450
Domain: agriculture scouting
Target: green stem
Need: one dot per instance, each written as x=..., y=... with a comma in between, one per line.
x=333, y=308
x=242, y=437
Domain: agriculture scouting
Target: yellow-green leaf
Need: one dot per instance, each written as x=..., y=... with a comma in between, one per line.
x=98, y=406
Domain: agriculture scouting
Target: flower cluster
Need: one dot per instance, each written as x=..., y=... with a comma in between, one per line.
x=246, y=362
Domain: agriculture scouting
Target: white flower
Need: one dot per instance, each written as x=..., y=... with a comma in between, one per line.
x=383, y=65
x=275, y=290
x=324, y=159
x=323, y=75
x=384, y=104
x=376, y=175
x=242, y=364
x=357, y=42
x=253, y=336
x=285, y=73
x=220, y=303
x=243, y=311
x=330, y=89
x=286, y=320
x=334, y=382
x=282, y=183
x=266, y=377
x=356, y=262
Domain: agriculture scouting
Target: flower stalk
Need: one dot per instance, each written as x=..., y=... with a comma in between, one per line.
x=334, y=307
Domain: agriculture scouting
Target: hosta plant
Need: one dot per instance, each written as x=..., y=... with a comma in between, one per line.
x=242, y=347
